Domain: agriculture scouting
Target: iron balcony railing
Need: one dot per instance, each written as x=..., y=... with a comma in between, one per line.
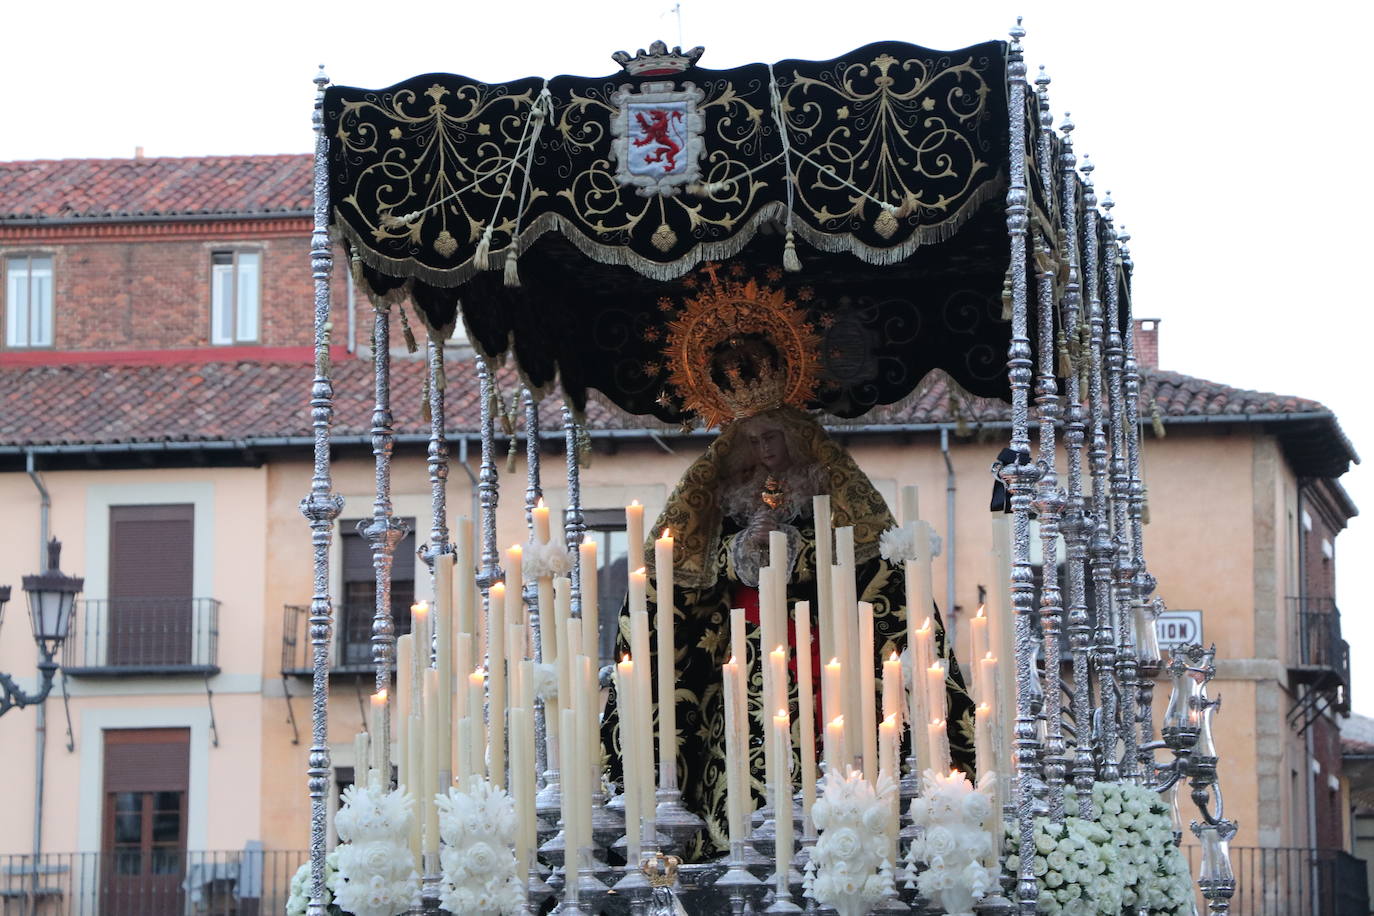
x=245, y=882
x=1317, y=654
x=351, y=650
x=130, y=636
x=1292, y=881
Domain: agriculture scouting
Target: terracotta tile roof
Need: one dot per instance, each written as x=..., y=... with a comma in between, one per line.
x=67, y=189
x=74, y=405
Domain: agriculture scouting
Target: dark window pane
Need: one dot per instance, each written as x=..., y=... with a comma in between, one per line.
x=166, y=860
x=166, y=828
x=128, y=801
x=128, y=828
x=167, y=801
x=128, y=862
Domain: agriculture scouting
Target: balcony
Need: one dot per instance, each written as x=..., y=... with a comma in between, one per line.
x=246, y=882
x=1288, y=881
x=1318, y=656
x=351, y=651
x=128, y=637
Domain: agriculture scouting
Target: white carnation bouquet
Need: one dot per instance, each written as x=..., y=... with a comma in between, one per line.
x=898, y=544
x=481, y=874
x=1154, y=873
x=955, y=842
x=299, y=899
x=376, y=872
x=1075, y=865
x=849, y=868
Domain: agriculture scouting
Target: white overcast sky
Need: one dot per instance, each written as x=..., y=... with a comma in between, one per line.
x=1235, y=137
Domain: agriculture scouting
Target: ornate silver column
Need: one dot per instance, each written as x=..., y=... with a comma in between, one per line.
x=437, y=455
x=1100, y=545
x=1123, y=567
x=574, y=525
x=321, y=507
x=1075, y=523
x=534, y=492
x=488, y=483
x=1020, y=478
x=1049, y=497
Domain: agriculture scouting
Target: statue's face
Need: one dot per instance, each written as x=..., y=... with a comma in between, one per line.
x=770, y=447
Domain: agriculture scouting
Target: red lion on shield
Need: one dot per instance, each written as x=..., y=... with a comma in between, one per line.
x=656, y=131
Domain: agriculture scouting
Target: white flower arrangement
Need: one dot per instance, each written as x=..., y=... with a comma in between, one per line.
x=955, y=842
x=849, y=868
x=1076, y=866
x=481, y=875
x=376, y=872
x=550, y=558
x=1154, y=873
x=299, y=899
x=898, y=544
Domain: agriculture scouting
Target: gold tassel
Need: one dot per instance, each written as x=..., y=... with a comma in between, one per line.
x=886, y=223
x=481, y=256
x=406, y=332
x=441, y=377
x=1006, y=300
x=512, y=270
x=790, y=262
x=425, y=413
x=510, y=457
x=1156, y=421
x=1065, y=364
x=355, y=264
x=1144, y=506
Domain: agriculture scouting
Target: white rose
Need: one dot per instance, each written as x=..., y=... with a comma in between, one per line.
x=940, y=841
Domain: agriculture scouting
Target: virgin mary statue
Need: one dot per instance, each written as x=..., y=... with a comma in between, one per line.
x=751, y=370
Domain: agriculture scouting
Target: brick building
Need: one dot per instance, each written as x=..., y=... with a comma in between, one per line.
x=153, y=414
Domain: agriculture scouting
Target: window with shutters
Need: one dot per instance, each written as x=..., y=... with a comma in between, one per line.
x=143, y=836
x=235, y=291
x=360, y=593
x=151, y=616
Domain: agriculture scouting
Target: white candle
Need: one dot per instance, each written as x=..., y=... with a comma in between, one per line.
x=768, y=637
x=643, y=731
x=419, y=660
x=462, y=663
x=887, y=768
x=868, y=720
x=379, y=750
x=844, y=650
x=589, y=649
x=782, y=797
x=519, y=764
x=591, y=595
x=405, y=666
x=476, y=694
x=739, y=653
x=806, y=710
x=781, y=571
x=939, y=746
x=911, y=504
x=892, y=687
x=429, y=777
x=935, y=691
x=667, y=678
x=515, y=572
x=590, y=781
x=540, y=514
x=922, y=657
x=734, y=808
x=835, y=750
x=496, y=685
x=443, y=587
x=1002, y=637
x=634, y=793
x=825, y=624
x=414, y=778
x=465, y=587
x=570, y=789
x=466, y=743
x=982, y=738
x=832, y=693
x=362, y=759
x=634, y=534
x=978, y=648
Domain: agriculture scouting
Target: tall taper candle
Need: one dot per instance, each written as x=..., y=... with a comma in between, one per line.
x=982, y=739
x=832, y=706
x=429, y=777
x=379, y=754
x=362, y=757
x=939, y=746
x=414, y=779
x=405, y=665
x=443, y=656
x=782, y=572
x=591, y=595
x=734, y=807
x=922, y=657
x=911, y=504
x=520, y=766
x=868, y=695
x=477, y=681
x=806, y=710
x=462, y=663
x=643, y=731
x=540, y=514
x=496, y=685
x=825, y=624
x=887, y=769
x=836, y=754
x=978, y=648
x=634, y=793
x=634, y=535
x=768, y=639
x=782, y=797
x=892, y=688
x=569, y=785
x=935, y=691
x=465, y=589
x=844, y=649
x=1002, y=636
x=667, y=652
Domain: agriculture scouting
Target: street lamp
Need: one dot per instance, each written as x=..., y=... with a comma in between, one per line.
x=51, y=596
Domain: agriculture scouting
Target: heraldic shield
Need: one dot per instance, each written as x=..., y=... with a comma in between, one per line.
x=657, y=137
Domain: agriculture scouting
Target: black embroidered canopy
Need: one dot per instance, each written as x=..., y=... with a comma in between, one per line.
x=568, y=217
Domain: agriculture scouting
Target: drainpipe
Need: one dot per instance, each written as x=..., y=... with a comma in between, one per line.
x=950, y=539
x=41, y=719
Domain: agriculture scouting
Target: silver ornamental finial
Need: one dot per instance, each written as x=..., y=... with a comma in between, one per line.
x=321, y=78
x=1067, y=126
x=1108, y=204
x=1042, y=80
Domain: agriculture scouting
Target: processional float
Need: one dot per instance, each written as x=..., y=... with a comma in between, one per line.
x=919, y=210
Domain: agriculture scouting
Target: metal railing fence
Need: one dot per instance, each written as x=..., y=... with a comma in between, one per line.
x=130, y=635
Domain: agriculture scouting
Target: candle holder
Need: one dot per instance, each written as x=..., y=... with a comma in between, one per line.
x=608, y=823
x=671, y=817
x=537, y=890
x=742, y=887
x=554, y=851
x=1216, y=879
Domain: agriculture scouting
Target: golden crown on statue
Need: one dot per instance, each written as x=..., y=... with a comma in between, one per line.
x=661, y=870
x=738, y=348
